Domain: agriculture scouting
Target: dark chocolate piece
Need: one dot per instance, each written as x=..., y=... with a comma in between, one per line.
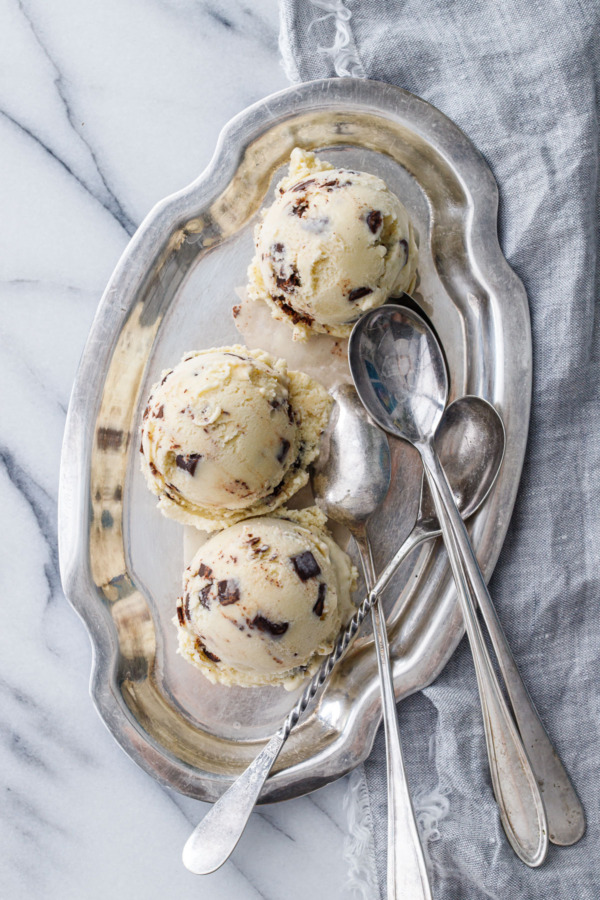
x=305, y=565
x=299, y=208
x=288, y=283
x=274, y=628
x=203, y=596
x=302, y=185
x=180, y=616
x=188, y=463
x=320, y=604
x=374, y=220
x=404, y=244
x=283, y=450
x=228, y=592
x=357, y=293
x=200, y=647
x=291, y=312
x=204, y=571
x=160, y=412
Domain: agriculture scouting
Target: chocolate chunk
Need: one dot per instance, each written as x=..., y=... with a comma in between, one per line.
x=142, y=447
x=274, y=628
x=180, y=616
x=299, y=208
x=173, y=488
x=305, y=565
x=331, y=184
x=204, y=597
x=109, y=439
x=204, y=571
x=160, y=412
x=288, y=283
x=283, y=450
x=228, y=592
x=188, y=463
x=320, y=604
x=277, y=251
x=186, y=606
x=146, y=413
x=166, y=376
x=153, y=469
x=374, y=220
x=290, y=312
x=200, y=647
x=254, y=541
x=357, y=293
x=302, y=185
x=404, y=244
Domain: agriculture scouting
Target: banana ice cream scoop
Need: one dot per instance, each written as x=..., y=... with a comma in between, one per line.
x=229, y=433
x=334, y=244
x=264, y=600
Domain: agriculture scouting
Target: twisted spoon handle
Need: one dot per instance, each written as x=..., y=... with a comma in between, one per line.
x=215, y=837
x=515, y=786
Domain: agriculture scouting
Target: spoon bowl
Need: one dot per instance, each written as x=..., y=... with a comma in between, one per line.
x=470, y=442
x=351, y=444
x=399, y=372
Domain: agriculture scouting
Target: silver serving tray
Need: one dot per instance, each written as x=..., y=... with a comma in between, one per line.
x=172, y=291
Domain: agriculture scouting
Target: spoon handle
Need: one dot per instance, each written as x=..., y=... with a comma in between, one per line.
x=515, y=785
x=406, y=870
x=215, y=838
x=565, y=814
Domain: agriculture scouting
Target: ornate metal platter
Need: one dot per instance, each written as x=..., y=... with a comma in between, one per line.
x=172, y=291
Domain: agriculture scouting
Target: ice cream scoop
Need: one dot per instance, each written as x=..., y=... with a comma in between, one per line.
x=228, y=434
x=264, y=600
x=334, y=244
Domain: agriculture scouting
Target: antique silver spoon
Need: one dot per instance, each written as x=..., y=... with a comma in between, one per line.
x=350, y=481
x=400, y=375
x=564, y=812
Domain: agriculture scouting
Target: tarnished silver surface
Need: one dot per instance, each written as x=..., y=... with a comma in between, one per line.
x=172, y=291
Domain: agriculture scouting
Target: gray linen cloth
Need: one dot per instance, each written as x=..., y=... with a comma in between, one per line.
x=520, y=77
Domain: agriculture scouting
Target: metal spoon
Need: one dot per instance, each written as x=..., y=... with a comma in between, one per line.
x=216, y=836
x=350, y=481
x=400, y=375
x=470, y=442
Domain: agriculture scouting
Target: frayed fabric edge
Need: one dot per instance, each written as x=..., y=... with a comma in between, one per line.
x=343, y=52
x=359, y=849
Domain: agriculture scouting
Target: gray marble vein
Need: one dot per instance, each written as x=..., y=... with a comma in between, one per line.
x=104, y=109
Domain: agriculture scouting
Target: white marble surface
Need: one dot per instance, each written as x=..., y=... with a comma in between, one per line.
x=104, y=109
